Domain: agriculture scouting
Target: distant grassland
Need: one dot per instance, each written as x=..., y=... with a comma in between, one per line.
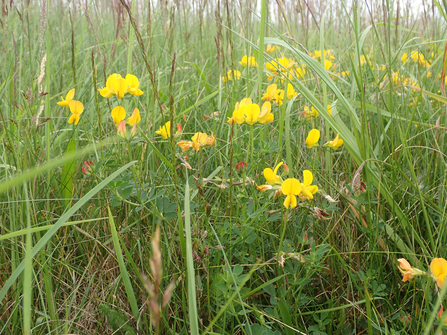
x=159, y=174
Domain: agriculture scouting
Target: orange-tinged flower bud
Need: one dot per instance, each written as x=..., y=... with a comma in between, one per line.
x=121, y=129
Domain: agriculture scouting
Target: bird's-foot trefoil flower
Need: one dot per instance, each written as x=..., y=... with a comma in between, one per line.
x=135, y=118
x=121, y=129
x=290, y=92
x=407, y=270
x=66, y=102
x=270, y=94
x=335, y=143
x=265, y=116
x=134, y=84
x=312, y=138
x=308, y=190
x=118, y=114
x=165, y=130
x=279, y=96
x=291, y=187
x=76, y=109
x=438, y=268
x=264, y=188
x=251, y=112
x=271, y=176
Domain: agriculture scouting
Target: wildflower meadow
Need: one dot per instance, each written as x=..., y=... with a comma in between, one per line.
x=223, y=167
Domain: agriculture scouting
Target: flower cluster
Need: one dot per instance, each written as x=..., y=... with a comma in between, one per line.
x=76, y=107
x=290, y=187
x=232, y=74
x=248, y=112
x=250, y=61
x=438, y=269
x=119, y=86
x=197, y=141
x=417, y=57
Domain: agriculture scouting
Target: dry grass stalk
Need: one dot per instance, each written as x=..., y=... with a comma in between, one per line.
x=153, y=288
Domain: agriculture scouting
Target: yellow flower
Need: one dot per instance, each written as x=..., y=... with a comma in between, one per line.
x=115, y=84
x=232, y=74
x=290, y=92
x=408, y=271
x=264, y=188
x=211, y=140
x=291, y=188
x=68, y=98
x=308, y=190
x=121, y=129
x=299, y=72
x=271, y=176
x=312, y=112
x=270, y=94
x=279, y=96
x=312, y=138
x=404, y=58
x=251, y=61
x=165, y=131
x=238, y=116
x=270, y=48
x=251, y=113
x=438, y=268
x=134, y=84
x=185, y=145
x=135, y=118
x=76, y=109
x=118, y=114
x=329, y=109
x=336, y=143
x=199, y=140
x=327, y=64
x=265, y=116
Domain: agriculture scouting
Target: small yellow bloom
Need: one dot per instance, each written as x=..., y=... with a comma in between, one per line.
x=404, y=58
x=232, y=74
x=211, y=140
x=115, y=84
x=185, y=145
x=407, y=270
x=134, y=85
x=264, y=188
x=265, y=116
x=165, y=131
x=291, y=188
x=327, y=64
x=438, y=268
x=271, y=176
x=245, y=101
x=279, y=96
x=270, y=94
x=308, y=190
x=312, y=138
x=118, y=114
x=68, y=98
x=270, y=48
x=312, y=112
x=251, y=113
x=238, y=117
x=336, y=143
x=135, y=118
x=76, y=109
x=251, y=61
x=329, y=110
x=290, y=92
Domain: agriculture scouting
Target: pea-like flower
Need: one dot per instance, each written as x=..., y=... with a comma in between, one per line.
x=271, y=176
x=119, y=86
x=251, y=61
x=121, y=129
x=251, y=112
x=407, y=270
x=335, y=143
x=279, y=96
x=291, y=187
x=68, y=98
x=270, y=48
x=264, y=188
x=76, y=109
x=118, y=114
x=265, y=116
x=438, y=268
x=232, y=74
x=312, y=138
x=290, y=91
x=312, y=112
x=135, y=118
x=165, y=130
x=308, y=190
x=270, y=94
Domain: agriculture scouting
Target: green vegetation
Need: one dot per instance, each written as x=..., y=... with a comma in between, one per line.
x=189, y=183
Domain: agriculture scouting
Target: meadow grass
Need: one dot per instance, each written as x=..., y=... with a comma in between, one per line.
x=108, y=228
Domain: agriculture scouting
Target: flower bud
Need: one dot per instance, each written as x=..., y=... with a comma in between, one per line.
x=241, y=166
